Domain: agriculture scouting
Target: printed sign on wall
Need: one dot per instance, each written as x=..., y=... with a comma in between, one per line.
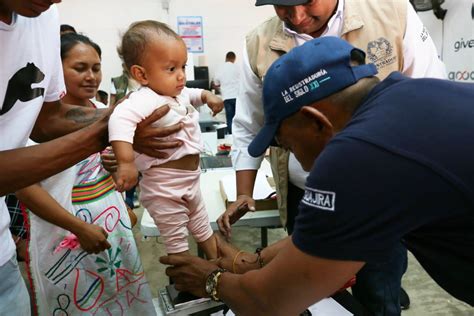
x=190, y=30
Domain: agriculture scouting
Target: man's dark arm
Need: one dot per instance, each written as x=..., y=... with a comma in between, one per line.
x=25, y=166
x=291, y=274
x=57, y=119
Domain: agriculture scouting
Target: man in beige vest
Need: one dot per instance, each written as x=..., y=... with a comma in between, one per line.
x=395, y=40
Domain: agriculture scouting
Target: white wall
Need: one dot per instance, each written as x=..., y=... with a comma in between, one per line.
x=225, y=24
x=104, y=20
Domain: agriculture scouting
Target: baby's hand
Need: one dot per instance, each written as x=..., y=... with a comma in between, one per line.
x=126, y=177
x=109, y=162
x=214, y=102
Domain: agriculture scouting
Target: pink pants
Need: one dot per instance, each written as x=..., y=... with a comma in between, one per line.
x=173, y=199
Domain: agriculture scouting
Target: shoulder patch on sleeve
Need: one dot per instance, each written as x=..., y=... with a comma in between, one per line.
x=324, y=200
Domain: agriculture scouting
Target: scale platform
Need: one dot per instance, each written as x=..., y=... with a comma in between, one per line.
x=175, y=303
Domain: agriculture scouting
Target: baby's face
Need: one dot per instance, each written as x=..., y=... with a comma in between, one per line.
x=165, y=64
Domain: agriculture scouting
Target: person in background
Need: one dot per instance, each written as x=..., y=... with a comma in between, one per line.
x=30, y=107
x=156, y=57
x=66, y=28
x=121, y=86
x=102, y=97
x=403, y=44
x=85, y=190
x=227, y=80
x=380, y=155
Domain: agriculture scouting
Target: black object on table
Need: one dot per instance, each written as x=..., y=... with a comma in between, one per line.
x=350, y=303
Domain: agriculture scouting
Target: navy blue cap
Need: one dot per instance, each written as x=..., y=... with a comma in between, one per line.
x=306, y=74
x=281, y=2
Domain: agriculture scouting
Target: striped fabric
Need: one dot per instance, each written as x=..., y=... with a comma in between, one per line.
x=93, y=191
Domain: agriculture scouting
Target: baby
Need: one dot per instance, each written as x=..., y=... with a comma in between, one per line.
x=156, y=58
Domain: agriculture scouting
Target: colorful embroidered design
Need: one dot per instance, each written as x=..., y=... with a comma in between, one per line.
x=91, y=192
x=88, y=300
x=111, y=264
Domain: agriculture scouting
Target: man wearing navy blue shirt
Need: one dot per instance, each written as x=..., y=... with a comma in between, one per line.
x=389, y=161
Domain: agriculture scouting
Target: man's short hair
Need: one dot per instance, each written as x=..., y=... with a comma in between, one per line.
x=230, y=55
x=104, y=96
x=66, y=28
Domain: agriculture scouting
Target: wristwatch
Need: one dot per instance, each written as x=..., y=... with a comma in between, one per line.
x=212, y=281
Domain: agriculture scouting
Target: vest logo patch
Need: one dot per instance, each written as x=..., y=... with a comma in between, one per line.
x=324, y=200
x=380, y=52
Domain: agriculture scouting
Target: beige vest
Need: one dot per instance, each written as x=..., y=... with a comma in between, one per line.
x=375, y=26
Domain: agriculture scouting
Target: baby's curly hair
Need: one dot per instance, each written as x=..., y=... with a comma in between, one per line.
x=135, y=39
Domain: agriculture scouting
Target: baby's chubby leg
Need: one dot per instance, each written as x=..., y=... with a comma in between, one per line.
x=209, y=246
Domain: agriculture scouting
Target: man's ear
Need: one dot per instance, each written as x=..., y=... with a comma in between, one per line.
x=319, y=119
x=139, y=74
